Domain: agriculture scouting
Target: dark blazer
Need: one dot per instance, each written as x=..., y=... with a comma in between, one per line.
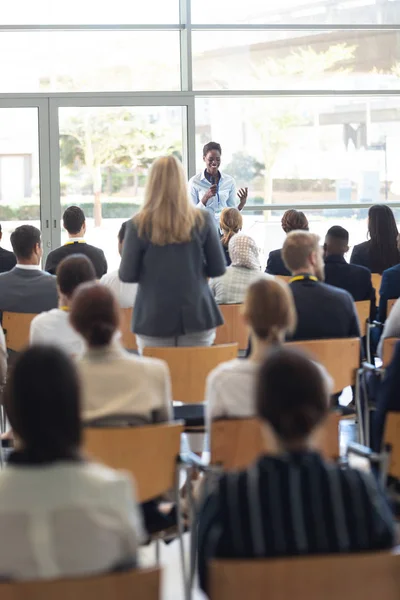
x=363, y=256
x=94, y=254
x=354, y=279
x=390, y=289
x=275, y=264
x=27, y=291
x=323, y=311
x=388, y=399
x=7, y=260
x=173, y=297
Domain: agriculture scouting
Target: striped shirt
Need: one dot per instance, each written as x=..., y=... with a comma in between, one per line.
x=289, y=505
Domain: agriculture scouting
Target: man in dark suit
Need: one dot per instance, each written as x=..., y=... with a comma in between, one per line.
x=323, y=311
x=7, y=258
x=75, y=223
x=390, y=289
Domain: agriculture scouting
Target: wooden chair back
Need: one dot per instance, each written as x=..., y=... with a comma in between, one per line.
x=376, y=284
x=16, y=328
x=236, y=443
x=389, y=344
x=340, y=357
x=346, y=577
x=392, y=437
x=363, y=309
x=389, y=306
x=284, y=278
x=149, y=453
x=189, y=368
x=128, y=339
x=141, y=584
x=234, y=329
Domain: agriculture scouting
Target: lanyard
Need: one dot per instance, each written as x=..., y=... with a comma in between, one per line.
x=74, y=242
x=64, y=308
x=303, y=278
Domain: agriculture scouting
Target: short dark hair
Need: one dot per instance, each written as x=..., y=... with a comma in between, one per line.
x=95, y=314
x=73, y=219
x=42, y=402
x=72, y=271
x=24, y=239
x=339, y=233
x=122, y=231
x=292, y=394
x=211, y=146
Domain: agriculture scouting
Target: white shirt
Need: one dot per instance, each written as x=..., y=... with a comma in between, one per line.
x=66, y=520
x=391, y=327
x=124, y=292
x=225, y=196
x=231, y=287
x=28, y=267
x=53, y=327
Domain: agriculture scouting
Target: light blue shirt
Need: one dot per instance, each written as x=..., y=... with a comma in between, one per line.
x=224, y=198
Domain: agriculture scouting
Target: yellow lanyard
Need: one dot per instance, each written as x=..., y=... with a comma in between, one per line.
x=303, y=278
x=64, y=308
x=74, y=242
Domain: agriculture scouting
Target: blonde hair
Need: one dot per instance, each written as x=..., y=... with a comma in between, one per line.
x=269, y=309
x=167, y=215
x=231, y=222
x=297, y=248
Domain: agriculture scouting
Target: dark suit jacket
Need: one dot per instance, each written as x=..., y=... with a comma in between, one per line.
x=94, y=254
x=390, y=288
x=323, y=311
x=363, y=256
x=27, y=291
x=354, y=279
x=7, y=260
x=174, y=297
x=388, y=399
x=275, y=264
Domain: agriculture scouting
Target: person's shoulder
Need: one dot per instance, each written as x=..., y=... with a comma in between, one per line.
x=391, y=272
x=94, y=249
x=111, y=482
x=331, y=290
x=359, y=269
x=44, y=317
x=274, y=253
x=196, y=178
x=109, y=278
x=7, y=254
x=225, y=370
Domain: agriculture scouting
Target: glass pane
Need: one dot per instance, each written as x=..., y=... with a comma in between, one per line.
x=78, y=61
x=105, y=155
x=89, y=12
x=306, y=150
x=299, y=11
x=306, y=60
x=19, y=170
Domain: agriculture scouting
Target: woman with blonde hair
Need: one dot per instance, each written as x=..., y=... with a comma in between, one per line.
x=171, y=249
x=230, y=222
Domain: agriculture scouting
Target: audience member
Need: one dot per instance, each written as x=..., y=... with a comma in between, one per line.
x=245, y=268
x=387, y=400
x=124, y=292
x=171, y=248
x=7, y=258
x=116, y=385
x=290, y=502
x=390, y=288
x=62, y=515
x=292, y=220
x=54, y=327
x=74, y=222
x=323, y=311
x=391, y=328
x=380, y=252
x=230, y=222
x=26, y=288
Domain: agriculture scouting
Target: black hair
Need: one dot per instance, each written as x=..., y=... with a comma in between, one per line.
x=211, y=146
x=291, y=394
x=72, y=271
x=42, y=402
x=122, y=231
x=339, y=233
x=24, y=240
x=73, y=219
x=383, y=231
x=95, y=314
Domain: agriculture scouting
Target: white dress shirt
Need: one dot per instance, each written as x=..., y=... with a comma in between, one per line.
x=66, y=520
x=124, y=292
x=225, y=196
x=53, y=327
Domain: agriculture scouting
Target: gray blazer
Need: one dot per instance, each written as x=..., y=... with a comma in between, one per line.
x=27, y=291
x=173, y=296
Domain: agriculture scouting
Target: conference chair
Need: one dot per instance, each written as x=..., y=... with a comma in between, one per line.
x=392, y=438
x=376, y=284
x=140, y=584
x=363, y=309
x=16, y=328
x=128, y=339
x=345, y=577
x=234, y=329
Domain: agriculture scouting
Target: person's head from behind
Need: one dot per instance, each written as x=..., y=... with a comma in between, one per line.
x=230, y=222
x=269, y=311
x=42, y=403
x=121, y=237
x=26, y=244
x=294, y=220
x=74, y=221
x=302, y=253
x=71, y=272
x=336, y=241
x=383, y=232
x=95, y=314
x=292, y=397
x=212, y=157
x=243, y=252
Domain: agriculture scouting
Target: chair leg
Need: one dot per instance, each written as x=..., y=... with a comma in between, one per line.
x=368, y=343
x=193, y=531
x=359, y=412
x=186, y=581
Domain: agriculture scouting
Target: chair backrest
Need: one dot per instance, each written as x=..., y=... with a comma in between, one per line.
x=234, y=328
x=388, y=347
x=128, y=339
x=392, y=437
x=389, y=306
x=346, y=577
x=284, y=278
x=376, y=284
x=16, y=329
x=236, y=443
x=363, y=309
x=189, y=368
x=141, y=584
x=340, y=357
x=149, y=453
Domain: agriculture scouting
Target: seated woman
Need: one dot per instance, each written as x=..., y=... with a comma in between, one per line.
x=230, y=222
x=62, y=516
x=292, y=220
x=290, y=502
x=231, y=287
